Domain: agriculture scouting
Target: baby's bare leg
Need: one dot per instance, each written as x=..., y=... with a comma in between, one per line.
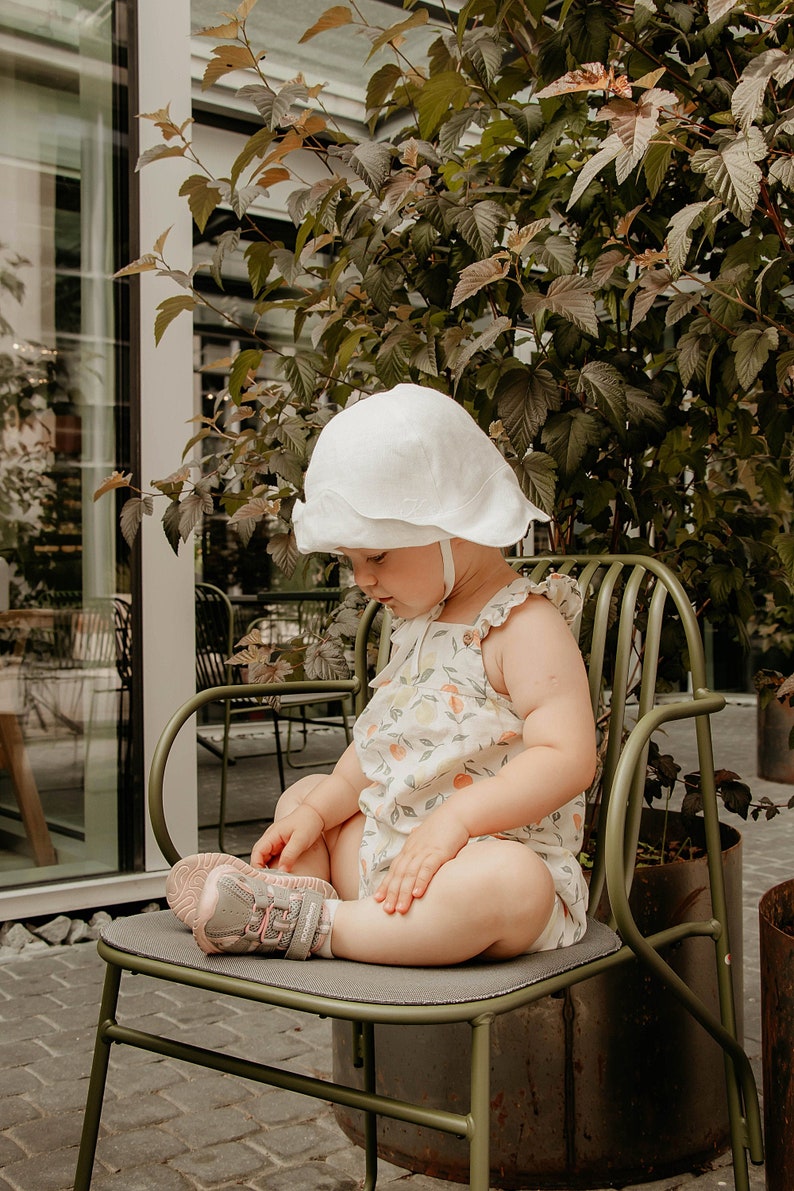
x=493, y=899
x=334, y=857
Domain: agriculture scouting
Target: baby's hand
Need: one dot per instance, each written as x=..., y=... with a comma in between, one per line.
x=429, y=846
x=288, y=838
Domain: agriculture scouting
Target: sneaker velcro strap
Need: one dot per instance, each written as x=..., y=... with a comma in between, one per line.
x=306, y=924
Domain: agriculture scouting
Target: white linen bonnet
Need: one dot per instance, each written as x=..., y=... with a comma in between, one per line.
x=408, y=467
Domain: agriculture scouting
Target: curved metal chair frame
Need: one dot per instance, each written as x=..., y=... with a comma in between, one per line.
x=618, y=588
x=215, y=644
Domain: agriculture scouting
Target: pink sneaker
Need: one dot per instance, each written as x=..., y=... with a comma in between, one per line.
x=239, y=914
x=186, y=880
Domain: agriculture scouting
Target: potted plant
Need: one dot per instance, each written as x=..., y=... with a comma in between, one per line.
x=776, y=938
x=775, y=734
x=773, y=637
x=575, y=221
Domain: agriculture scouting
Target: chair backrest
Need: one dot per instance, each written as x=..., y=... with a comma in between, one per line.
x=637, y=625
x=122, y=620
x=291, y=615
x=214, y=638
x=639, y=636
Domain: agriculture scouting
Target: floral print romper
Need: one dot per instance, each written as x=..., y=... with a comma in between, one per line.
x=435, y=725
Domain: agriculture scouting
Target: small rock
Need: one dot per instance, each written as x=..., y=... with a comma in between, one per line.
x=96, y=922
x=151, y=908
x=78, y=931
x=16, y=937
x=54, y=931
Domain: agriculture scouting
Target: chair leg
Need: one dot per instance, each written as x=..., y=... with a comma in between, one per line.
x=96, y=1084
x=366, y=1039
x=227, y=725
x=480, y=1138
x=279, y=753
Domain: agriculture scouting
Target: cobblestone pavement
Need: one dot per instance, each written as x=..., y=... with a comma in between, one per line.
x=171, y=1127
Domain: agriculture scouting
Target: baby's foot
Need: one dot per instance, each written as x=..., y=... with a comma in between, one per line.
x=241, y=914
x=186, y=879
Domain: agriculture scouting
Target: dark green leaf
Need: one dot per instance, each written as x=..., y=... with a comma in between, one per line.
x=134, y=509
x=436, y=97
x=202, y=198
x=479, y=226
x=171, y=518
x=168, y=310
x=567, y=436
x=372, y=162
x=245, y=362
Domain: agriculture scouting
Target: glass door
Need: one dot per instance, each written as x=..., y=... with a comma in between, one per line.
x=64, y=580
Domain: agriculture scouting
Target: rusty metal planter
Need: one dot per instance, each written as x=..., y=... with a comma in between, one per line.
x=776, y=923
x=775, y=757
x=611, y=1082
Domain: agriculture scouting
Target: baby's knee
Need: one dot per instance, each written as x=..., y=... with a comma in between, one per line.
x=295, y=794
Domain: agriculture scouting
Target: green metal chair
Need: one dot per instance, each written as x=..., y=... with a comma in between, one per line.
x=628, y=604
x=215, y=644
x=291, y=616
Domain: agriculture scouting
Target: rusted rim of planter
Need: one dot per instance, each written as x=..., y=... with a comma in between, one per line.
x=776, y=903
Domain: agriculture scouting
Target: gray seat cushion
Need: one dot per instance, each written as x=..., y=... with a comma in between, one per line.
x=162, y=936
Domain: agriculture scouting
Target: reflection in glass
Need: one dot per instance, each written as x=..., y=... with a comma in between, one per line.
x=64, y=602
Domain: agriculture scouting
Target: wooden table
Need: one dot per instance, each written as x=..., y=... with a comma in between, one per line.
x=14, y=755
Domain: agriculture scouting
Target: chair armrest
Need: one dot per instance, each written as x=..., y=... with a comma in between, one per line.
x=618, y=851
x=253, y=690
x=618, y=873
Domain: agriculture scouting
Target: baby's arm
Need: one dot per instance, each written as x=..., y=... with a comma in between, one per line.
x=330, y=803
x=534, y=659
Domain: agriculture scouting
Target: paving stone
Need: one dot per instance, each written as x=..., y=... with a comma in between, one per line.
x=213, y=1037
x=138, y=1147
x=275, y=1106
x=53, y=1171
x=281, y=1048
x=76, y=997
x=25, y=1028
x=218, y=1124
x=313, y=1176
x=303, y=1141
x=60, y=1131
x=133, y=1112
x=128, y=1057
x=211, y=1091
x=143, y=1178
x=204, y=1012
x=62, y=1043
x=22, y=1007
x=350, y=1160
x=16, y=1081
x=62, y=1096
x=79, y=1017
x=20, y=1054
x=15, y=1110
x=221, y=1165
x=9, y=1150
x=151, y=1078
x=51, y=1068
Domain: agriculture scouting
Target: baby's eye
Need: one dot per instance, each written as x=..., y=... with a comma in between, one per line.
x=377, y=558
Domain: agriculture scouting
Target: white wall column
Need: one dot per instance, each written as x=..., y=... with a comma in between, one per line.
x=166, y=407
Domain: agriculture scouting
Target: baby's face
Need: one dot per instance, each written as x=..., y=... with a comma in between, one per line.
x=409, y=581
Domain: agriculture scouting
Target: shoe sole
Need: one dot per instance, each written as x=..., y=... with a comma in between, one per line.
x=185, y=882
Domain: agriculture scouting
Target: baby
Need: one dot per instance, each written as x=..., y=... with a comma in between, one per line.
x=450, y=827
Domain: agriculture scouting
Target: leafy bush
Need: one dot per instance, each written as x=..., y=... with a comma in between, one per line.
x=577, y=221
